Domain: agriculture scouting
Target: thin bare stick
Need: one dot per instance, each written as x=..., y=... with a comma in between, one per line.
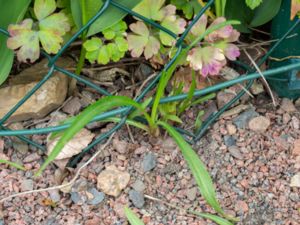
x=144, y=83
x=130, y=134
x=262, y=76
x=69, y=184
x=285, y=58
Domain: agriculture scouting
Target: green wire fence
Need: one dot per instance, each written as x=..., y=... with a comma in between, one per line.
x=249, y=76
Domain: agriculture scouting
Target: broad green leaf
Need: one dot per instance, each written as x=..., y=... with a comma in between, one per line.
x=11, y=12
x=216, y=219
x=132, y=217
x=238, y=10
x=252, y=4
x=265, y=12
x=86, y=12
x=16, y=165
x=111, y=16
x=141, y=42
x=43, y=8
x=86, y=116
x=197, y=168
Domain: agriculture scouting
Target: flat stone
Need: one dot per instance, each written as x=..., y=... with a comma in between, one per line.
x=27, y=185
x=98, y=197
x=149, y=162
x=120, y=146
x=235, y=152
x=229, y=140
x=287, y=105
x=31, y=158
x=231, y=129
x=139, y=186
x=47, y=98
x=22, y=148
x=112, y=181
x=192, y=193
x=76, y=197
x=295, y=181
x=296, y=149
x=223, y=98
x=73, y=106
x=242, y=120
x=257, y=88
x=54, y=195
x=137, y=198
x=259, y=124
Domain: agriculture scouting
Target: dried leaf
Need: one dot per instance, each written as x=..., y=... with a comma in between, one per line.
x=74, y=146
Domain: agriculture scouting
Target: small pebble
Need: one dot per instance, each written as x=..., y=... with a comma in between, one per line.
x=27, y=185
x=54, y=195
x=139, y=186
x=98, y=197
x=75, y=197
x=287, y=105
x=235, y=152
x=242, y=120
x=149, y=162
x=229, y=140
x=31, y=158
x=73, y=106
x=191, y=193
x=259, y=124
x=137, y=198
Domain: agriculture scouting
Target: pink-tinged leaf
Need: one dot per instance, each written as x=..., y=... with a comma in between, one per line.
x=222, y=33
x=152, y=47
x=200, y=26
x=208, y=60
x=173, y=23
x=232, y=52
x=23, y=39
x=151, y=9
x=50, y=41
x=43, y=8
x=57, y=22
x=141, y=41
x=295, y=8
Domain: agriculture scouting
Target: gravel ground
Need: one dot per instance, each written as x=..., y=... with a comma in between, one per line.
x=252, y=157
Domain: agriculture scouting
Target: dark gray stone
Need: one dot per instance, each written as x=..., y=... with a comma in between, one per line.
x=229, y=140
x=242, y=120
x=98, y=196
x=137, y=198
x=149, y=162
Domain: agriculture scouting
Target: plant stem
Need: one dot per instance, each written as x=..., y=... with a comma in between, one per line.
x=208, y=12
x=80, y=63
